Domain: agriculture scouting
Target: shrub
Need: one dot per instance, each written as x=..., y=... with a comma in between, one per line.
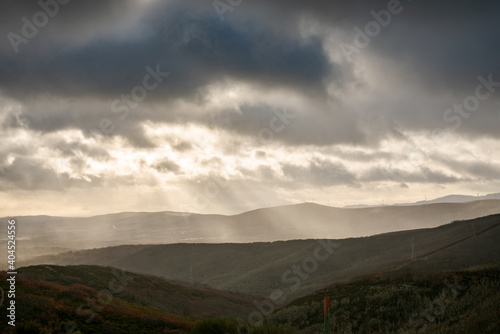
x=215, y=326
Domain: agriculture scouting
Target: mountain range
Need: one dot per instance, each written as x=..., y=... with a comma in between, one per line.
x=444, y=199
x=44, y=235
x=298, y=267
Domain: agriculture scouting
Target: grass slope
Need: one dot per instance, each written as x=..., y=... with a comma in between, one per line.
x=402, y=302
x=259, y=268
x=39, y=235
x=46, y=307
x=91, y=299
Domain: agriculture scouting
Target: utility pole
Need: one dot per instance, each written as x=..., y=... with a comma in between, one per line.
x=412, y=250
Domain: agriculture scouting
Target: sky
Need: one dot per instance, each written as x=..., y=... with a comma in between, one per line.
x=231, y=105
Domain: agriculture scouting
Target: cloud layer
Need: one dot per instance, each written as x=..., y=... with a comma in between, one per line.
x=164, y=96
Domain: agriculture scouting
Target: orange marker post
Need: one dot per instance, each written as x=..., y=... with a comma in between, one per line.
x=327, y=307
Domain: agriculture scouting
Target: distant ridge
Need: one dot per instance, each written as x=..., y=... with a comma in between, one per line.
x=47, y=235
x=444, y=199
x=458, y=199
x=258, y=268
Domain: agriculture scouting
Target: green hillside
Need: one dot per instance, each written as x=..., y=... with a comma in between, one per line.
x=46, y=307
x=44, y=235
x=260, y=268
x=393, y=302
x=425, y=302
x=91, y=299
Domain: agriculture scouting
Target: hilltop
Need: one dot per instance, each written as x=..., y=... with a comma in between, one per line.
x=40, y=235
x=262, y=267
x=108, y=300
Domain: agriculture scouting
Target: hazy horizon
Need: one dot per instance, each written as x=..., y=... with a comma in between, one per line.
x=441, y=200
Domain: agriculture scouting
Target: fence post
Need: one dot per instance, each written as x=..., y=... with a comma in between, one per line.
x=327, y=306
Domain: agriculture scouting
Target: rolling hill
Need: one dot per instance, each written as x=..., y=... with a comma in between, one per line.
x=459, y=199
x=107, y=300
x=402, y=302
x=43, y=306
x=173, y=297
x=298, y=267
x=39, y=235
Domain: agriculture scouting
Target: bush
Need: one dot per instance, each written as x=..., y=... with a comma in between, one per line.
x=215, y=326
x=30, y=327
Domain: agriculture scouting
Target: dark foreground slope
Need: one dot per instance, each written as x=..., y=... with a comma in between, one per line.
x=106, y=300
x=46, y=307
x=49, y=300
x=302, y=266
x=402, y=302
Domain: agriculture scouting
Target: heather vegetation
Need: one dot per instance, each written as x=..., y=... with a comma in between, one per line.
x=394, y=302
x=450, y=284
x=403, y=302
x=46, y=307
x=258, y=268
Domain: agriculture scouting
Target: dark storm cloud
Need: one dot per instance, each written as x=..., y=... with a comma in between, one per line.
x=361, y=156
x=437, y=49
x=196, y=47
x=167, y=166
x=78, y=149
x=14, y=149
x=319, y=172
x=476, y=169
x=480, y=169
x=50, y=114
x=314, y=125
x=262, y=173
x=182, y=146
x=422, y=175
x=99, y=50
x=30, y=174
x=447, y=43
x=65, y=24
